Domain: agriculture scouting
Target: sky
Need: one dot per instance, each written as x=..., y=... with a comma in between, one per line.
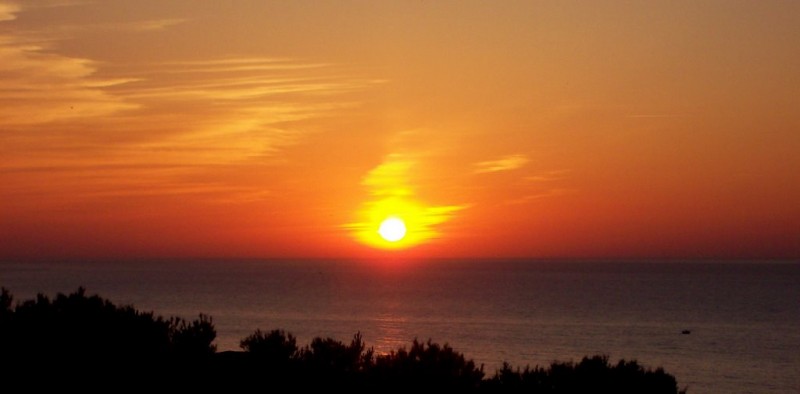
x=292, y=129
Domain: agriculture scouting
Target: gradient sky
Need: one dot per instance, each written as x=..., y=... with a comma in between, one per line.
x=588, y=129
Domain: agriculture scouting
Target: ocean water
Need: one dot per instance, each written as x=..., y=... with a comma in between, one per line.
x=744, y=317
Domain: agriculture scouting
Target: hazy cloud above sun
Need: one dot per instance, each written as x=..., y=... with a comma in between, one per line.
x=392, y=194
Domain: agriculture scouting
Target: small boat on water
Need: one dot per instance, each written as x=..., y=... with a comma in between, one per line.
x=686, y=332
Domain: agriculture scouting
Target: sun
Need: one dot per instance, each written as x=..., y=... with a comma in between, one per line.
x=392, y=229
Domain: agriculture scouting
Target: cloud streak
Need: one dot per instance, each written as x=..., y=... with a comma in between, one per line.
x=506, y=163
x=230, y=110
x=548, y=176
x=40, y=86
x=8, y=11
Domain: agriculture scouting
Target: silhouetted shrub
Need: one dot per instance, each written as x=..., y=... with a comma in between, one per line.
x=274, y=355
x=193, y=339
x=330, y=355
x=330, y=363
x=426, y=365
x=275, y=346
x=5, y=305
x=591, y=375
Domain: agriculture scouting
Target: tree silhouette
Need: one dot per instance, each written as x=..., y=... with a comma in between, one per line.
x=193, y=339
x=427, y=365
x=276, y=346
x=85, y=339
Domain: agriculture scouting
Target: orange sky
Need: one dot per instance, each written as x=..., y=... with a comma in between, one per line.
x=496, y=129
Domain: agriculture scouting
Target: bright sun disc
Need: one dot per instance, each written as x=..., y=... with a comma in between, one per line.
x=392, y=229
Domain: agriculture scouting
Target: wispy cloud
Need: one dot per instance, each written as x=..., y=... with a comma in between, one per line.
x=169, y=122
x=8, y=11
x=155, y=24
x=547, y=193
x=547, y=176
x=646, y=116
x=238, y=79
x=144, y=25
x=40, y=86
x=506, y=163
x=230, y=110
x=545, y=184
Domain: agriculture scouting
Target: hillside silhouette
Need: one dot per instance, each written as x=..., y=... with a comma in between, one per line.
x=87, y=342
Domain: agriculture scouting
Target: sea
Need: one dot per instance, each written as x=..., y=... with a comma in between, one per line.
x=718, y=327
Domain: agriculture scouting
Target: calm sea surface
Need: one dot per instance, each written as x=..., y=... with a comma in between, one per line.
x=744, y=317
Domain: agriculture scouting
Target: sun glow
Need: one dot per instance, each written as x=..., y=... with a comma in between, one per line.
x=394, y=218
x=392, y=229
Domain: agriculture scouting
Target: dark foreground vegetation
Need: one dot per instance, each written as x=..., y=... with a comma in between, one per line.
x=87, y=342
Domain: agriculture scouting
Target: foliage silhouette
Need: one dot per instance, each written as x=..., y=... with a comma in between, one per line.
x=275, y=346
x=427, y=365
x=193, y=339
x=87, y=342
x=274, y=353
x=592, y=374
x=83, y=340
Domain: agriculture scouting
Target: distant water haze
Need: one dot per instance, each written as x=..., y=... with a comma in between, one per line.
x=718, y=327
